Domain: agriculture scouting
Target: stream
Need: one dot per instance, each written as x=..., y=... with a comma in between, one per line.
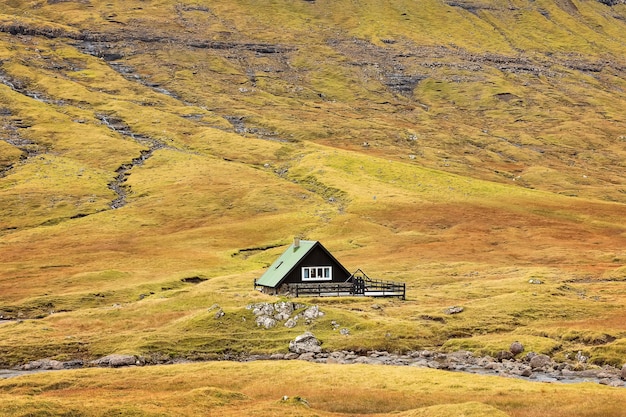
x=598, y=376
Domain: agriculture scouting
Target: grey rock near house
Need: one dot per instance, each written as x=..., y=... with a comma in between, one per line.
x=266, y=322
x=292, y=322
x=263, y=309
x=312, y=312
x=305, y=343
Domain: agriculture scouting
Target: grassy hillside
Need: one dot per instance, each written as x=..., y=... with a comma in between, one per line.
x=463, y=147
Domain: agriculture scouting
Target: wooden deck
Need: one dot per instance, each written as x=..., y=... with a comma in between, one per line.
x=358, y=284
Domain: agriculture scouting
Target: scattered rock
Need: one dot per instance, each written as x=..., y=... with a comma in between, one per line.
x=535, y=281
x=344, y=331
x=43, y=364
x=291, y=323
x=295, y=400
x=454, y=310
x=504, y=355
x=305, y=343
x=265, y=321
x=312, y=312
x=611, y=382
x=540, y=362
x=307, y=356
x=219, y=314
x=623, y=373
x=115, y=361
x=516, y=348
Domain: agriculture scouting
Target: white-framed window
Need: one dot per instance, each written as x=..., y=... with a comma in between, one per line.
x=317, y=273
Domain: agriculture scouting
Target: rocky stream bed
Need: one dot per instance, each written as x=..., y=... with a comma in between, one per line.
x=306, y=347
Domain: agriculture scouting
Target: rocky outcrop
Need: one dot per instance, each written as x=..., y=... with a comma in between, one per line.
x=269, y=315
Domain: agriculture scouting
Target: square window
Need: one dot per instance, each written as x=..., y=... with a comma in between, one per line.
x=317, y=273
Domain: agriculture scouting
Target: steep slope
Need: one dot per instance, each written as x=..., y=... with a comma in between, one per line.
x=464, y=147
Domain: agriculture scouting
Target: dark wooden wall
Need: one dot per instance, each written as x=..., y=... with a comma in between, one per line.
x=317, y=257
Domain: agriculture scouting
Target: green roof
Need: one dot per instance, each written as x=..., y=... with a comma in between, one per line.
x=285, y=264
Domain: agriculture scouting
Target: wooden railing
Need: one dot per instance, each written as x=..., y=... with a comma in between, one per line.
x=322, y=289
x=358, y=284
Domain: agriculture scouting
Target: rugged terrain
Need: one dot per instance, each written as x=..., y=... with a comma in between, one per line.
x=156, y=156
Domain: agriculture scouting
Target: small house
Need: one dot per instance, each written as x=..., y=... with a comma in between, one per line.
x=304, y=262
x=307, y=268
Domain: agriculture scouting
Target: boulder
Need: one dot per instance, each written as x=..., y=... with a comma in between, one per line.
x=312, y=312
x=291, y=323
x=266, y=322
x=540, y=362
x=454, y=310
x=516, y=348
x=305, y=343
x=43, y=364
x=115, y=361
x=611, y=382
x=307, y=356
x=504, y=355
x=262, y=309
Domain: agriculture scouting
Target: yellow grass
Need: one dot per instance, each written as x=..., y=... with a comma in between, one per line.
x=260, y=388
